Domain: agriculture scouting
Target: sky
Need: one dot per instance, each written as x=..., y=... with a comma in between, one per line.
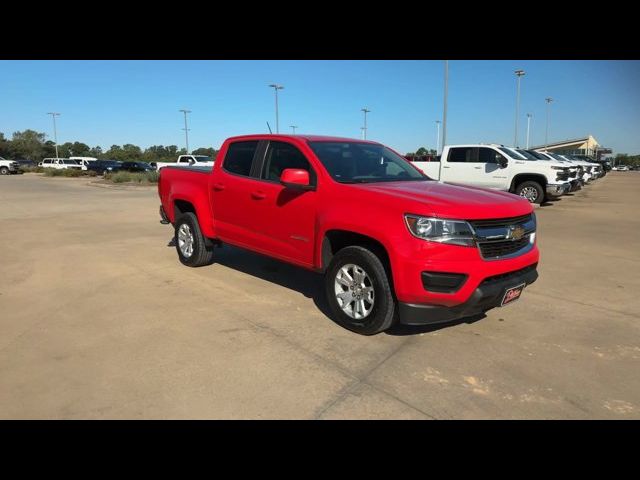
x=134, y=101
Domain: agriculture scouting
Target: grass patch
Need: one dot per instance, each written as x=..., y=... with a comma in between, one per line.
x=67, y=172
x=32, y=169
x=142, y=178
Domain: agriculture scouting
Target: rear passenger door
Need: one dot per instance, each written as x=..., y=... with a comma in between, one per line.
x=233, y=195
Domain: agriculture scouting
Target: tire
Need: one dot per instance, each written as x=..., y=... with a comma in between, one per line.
x=201, y=251
x=382, y=310
x=4, y=171
x=532, y=191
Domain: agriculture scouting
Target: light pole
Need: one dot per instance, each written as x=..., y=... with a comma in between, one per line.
x=293, y=128
x=546, y=133
x=55, y=133
x=444, y=114
x=519, y=74
x=277, y=87
x=438, y=122
x=528, y=125
x=186, y=129
x=364, y=130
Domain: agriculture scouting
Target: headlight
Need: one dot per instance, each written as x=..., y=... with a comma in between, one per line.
x=454, y=232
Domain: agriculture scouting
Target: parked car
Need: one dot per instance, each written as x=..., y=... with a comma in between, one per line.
x=84, y=161
x=104, y=166
x=393, y=244
x=60, y=163
x=500, y=168
x=136, y=167
x=587, y=168
x=622, y=168
x=576, y=172
x=8, y=167
x=187, y=161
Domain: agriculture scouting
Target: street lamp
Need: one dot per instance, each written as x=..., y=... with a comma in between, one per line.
x=546, y=133
x=277, y=87
x=528, y=124
x=186, y=129
x=55, y=133
x=364, y=130
x=438, y=122
x=519, y=74
x=444, y=114
x=293, y=128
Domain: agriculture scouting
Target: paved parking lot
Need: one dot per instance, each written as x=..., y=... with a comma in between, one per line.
x=98, y=319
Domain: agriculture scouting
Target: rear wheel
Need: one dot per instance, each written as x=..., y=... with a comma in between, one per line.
x=532, y=191
x=194, y=250
x=358, y=291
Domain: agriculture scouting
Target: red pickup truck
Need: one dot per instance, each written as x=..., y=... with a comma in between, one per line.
x=393, y=244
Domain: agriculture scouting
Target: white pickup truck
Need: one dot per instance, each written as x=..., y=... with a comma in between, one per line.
x=8, y=166
x=499, y=168
x=187, y=161
x=84, y=162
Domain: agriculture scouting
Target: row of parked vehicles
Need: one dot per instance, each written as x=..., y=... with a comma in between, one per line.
x=535, y=175
x=93, y=164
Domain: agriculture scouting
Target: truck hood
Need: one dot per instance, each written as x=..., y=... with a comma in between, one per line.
x=451, y=201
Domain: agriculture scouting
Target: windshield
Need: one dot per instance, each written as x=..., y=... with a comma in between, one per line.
x=202, y=158
x=537, y=155
x=355, y=162
x=526, y=154
x=511, y=153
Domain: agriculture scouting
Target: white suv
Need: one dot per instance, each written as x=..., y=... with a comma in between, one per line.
x=60, y=163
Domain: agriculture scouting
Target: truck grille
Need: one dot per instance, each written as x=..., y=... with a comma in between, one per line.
x=504, y=248
x=573, y=174
x=504, y=237
x=563, y=175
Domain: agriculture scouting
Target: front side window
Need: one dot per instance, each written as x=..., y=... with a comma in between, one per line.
x=281, y=155
x=356, y=162
x=488, y=155
x=239, y=157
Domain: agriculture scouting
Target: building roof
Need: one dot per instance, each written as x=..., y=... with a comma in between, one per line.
x=566, y=143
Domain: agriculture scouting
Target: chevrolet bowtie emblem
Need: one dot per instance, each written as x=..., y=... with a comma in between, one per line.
x=515, y=232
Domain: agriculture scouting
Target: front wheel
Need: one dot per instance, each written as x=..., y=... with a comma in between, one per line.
x=532, y=191
x=358, y=291
x=4, y=171
x=193, y=248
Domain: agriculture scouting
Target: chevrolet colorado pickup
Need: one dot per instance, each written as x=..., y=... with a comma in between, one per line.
x=393, y=244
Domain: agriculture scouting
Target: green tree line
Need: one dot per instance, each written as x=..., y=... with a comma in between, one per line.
x=31, y=145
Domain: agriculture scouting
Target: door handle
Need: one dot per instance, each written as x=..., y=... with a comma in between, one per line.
x=477, y=168
x=218, y=186
x=258, y=195
x=444, y=166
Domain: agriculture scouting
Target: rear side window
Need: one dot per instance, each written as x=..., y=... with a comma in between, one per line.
x=281, y=155
x=239, y=157
x=461, y=155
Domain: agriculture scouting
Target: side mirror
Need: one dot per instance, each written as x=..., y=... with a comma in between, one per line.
x=191, y=161
x=503, y=162
x=295, y=178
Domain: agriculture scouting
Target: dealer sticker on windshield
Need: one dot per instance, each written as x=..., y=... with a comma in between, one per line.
x=512, y=294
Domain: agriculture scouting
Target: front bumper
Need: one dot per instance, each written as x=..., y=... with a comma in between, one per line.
x=557, y=190
x=487, y=295
x=575, y=185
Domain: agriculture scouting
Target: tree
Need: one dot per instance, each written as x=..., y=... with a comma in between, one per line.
x=28, y=144
x=209, y=152
x=421, y=151
x=4, y=147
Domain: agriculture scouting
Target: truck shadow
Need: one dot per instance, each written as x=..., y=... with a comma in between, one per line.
x=309, y=284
